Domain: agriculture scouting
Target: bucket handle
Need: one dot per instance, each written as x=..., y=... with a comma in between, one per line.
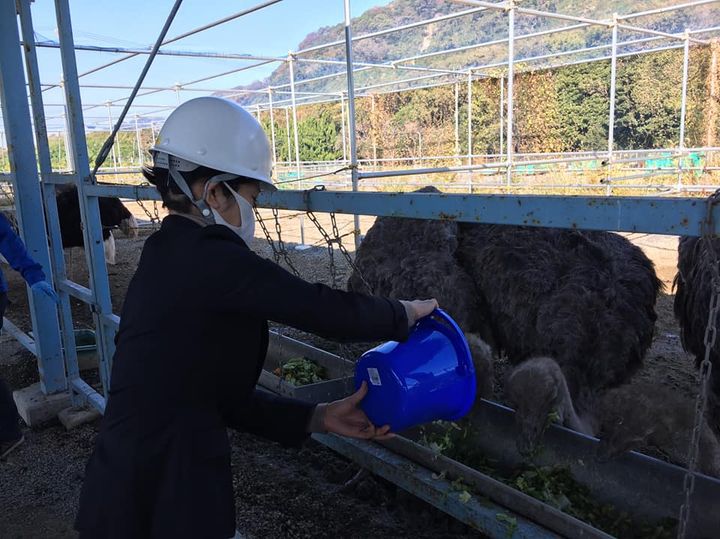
x=457, y=338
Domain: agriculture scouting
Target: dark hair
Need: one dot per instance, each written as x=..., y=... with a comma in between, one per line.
x=173, y=198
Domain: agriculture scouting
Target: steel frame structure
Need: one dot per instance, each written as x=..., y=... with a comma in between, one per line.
x=29, y=152
x=665, y=216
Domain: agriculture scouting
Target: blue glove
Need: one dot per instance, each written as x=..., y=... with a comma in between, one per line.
x=44, y=287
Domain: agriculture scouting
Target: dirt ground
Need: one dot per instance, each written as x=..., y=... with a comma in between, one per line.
x=279, y=492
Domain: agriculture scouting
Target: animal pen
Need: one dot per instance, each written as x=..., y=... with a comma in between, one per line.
x=485, y=186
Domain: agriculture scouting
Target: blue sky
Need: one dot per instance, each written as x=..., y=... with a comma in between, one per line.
x=272, y=31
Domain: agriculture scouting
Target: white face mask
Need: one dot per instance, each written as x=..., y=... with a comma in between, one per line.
x=246, y=230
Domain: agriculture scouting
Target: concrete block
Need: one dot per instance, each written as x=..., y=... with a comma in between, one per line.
x=36, y=408
x=74, y=416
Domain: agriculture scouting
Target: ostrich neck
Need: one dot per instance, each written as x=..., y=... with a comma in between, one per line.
x=566, y=409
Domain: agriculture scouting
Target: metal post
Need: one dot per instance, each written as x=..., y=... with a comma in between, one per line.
x=110, y=122
x=89, y=210
x=373, y=130
x=272, y=126
x=510, y=95
x=502, y=112
x=457, y=120
x=68, y=154
x=683, y=106
x=287, y=131
x=469, y=117
x=28, y=197
x=613, y=79
x=3, y=150
x=351, y=115
x=139, y=143
x=57, y=255
x=342, y=127
x=291, y=64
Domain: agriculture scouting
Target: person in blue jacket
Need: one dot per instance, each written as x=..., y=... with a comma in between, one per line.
x=13, y=250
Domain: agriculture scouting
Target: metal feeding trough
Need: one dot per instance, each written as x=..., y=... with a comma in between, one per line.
x=644, y=487
x=339, y=371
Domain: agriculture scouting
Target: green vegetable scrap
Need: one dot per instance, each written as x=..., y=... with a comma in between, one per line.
x=553, y=485
x=301, y=371
x=510, y=523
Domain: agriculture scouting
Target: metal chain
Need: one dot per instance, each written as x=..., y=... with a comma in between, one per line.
x=337, y=240
x=268, y=237
x=281, y=243
x=705, y=366
x=329, y=242
x=280, y=251
x=154, y=217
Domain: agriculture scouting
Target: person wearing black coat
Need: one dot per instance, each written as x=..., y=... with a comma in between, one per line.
x=191, y=345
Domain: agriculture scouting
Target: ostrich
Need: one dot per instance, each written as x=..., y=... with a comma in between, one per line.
x=414, y=258
x=542, y=378
x=693, y=289
x=584, y=299
x=113, y=214
x=643, y=414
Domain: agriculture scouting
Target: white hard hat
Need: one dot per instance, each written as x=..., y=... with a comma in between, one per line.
x=219, y=134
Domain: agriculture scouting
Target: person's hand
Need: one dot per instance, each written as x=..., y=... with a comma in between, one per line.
x=44, y=288
x=418, y=308
x=344, y=417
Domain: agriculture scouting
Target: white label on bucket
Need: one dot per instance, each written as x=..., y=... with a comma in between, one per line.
x=374, y=376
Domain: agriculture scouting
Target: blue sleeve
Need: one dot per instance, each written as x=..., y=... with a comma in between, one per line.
x=13, y=249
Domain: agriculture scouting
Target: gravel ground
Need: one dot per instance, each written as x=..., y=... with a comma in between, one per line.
x=279, y=492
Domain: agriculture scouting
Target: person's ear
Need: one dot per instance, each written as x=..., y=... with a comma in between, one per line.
x=214, y=196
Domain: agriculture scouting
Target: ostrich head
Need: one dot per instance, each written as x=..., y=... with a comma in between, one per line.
x=129, y=226
x=537, y=389
x=627, y=421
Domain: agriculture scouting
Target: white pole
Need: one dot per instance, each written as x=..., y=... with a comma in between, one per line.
x=611, y=119
x=510, y=96
x=351, y=115
x=3, y=150
x=372, y=127
x=139, y=144
x=342, y=127
x=110, y=123
x=69, y=165
x=287, y=130
x=502, y=112
x=291, y=64
x=469, y=117
x=683, y=106
x=272, y=126
x=457, y=120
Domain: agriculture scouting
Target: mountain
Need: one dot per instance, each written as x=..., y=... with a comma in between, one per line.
x=486, y=25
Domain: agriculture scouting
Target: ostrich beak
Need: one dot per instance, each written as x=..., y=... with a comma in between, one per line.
x=129, y=227
x=529, y=438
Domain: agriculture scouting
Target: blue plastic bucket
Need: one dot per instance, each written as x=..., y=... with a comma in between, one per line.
x=428, y=377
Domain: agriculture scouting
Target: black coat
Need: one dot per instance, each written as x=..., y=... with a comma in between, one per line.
x=190, y=348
